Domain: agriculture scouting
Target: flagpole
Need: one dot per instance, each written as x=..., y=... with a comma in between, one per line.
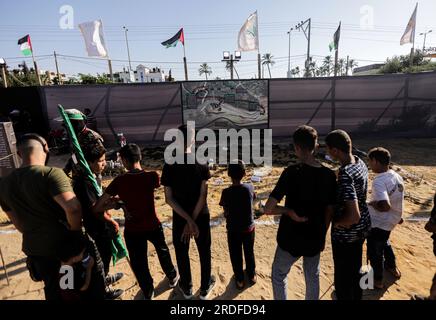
x=184, y=59
x=36, y=67
x=412, y=52
x=109, y=62
x=57, y=69
x=333, y=115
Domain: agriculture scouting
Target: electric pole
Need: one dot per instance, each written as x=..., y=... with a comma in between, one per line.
x=289, y=54
x=306, y=27
x=425, y=38
x=128, y=50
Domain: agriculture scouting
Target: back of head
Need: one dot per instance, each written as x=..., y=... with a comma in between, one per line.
x=131, y=153
x=340, y=140
x=381, y=155
x=31, y=144
x=236, y=170
x=305, y=137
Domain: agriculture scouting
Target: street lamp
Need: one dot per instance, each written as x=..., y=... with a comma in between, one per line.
x=128, y=50
x=306, y=27
x=289, y=54
x=425, y=38
x=228, y=57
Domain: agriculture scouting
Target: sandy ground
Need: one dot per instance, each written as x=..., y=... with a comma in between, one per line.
x=412, y=244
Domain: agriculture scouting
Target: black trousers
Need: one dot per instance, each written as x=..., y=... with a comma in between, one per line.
x=104, y=246
x=380, y=252
x=203, y=243
x=237, y=242
x=47, y=269
x=347, y=258
x=137, y=246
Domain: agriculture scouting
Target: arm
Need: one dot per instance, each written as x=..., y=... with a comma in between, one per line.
x=272, y=208
x=14, y=219
x=179, y=210
x=382, y=206
x=201, y=200
x=351, y=214
x=73, y=210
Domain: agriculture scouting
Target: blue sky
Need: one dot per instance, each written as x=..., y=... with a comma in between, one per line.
x=211, y=27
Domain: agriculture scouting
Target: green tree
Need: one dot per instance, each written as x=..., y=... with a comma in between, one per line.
x=295, y=72
x=328, y=65
x=205, y=69
x=267, y=60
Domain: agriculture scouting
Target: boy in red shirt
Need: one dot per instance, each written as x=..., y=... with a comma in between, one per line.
x=136, y=190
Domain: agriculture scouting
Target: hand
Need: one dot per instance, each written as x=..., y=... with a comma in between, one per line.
x=430, y=227
x=190, y=230
x=291, y=214
x=116, y=226
x=401, y=221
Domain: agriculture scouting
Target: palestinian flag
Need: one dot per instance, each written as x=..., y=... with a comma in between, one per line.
x=335, y=44
x=173, y=41
x=25, y=45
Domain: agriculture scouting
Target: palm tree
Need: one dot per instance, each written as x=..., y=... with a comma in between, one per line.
x=342, y=66
x=295, y=71
x=267, y=60
x=204, y=69
x=352, y=64
x=328, y=65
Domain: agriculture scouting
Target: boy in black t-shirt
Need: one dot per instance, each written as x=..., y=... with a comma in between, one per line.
x=186, y=193
x=310, y=191
x=237, y=202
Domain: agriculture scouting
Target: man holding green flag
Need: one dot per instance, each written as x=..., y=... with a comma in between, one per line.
x=89, y=160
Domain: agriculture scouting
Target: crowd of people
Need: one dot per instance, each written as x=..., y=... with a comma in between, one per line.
x=66, y=223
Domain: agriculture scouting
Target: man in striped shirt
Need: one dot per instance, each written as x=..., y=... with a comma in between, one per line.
x=351, y=221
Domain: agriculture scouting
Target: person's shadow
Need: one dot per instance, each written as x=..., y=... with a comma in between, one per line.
x=158, y=290
x=231, y=292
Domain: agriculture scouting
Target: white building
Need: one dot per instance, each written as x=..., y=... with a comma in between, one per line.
x=142, y=74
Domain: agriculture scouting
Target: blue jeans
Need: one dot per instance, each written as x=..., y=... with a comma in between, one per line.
x=282, y=264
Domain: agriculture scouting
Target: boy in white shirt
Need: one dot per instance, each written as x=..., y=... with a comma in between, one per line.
x=386, y=209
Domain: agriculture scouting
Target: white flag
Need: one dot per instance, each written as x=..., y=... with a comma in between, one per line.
x=409, y=34
x=248, y=39
x=92, y=32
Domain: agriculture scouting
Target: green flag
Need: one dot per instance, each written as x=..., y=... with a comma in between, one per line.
x=25, y=45
x=118, y=249
x=335, y=43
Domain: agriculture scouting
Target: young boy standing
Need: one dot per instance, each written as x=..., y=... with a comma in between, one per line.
x=98, y=223
x=136, y=190
x=186, y=193
x=351, y=221
x=385, y=208
x=310, y=190
x=237, y=201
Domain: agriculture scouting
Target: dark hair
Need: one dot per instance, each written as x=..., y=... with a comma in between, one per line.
x=236, y=170
x=72, y=246
x=87, y=111
x=305, y=137
x=93, y=152
x=131, y=153
x=340, y=140
x=381, y=155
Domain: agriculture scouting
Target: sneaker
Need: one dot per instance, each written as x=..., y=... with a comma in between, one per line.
x=114, y=278
x=112, y=294
x=253, y=280
x=204, y=294
x=173, y=282
x=187, y=294
x=239, y=284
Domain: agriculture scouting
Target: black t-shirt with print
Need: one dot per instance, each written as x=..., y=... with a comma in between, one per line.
x=308, y=191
